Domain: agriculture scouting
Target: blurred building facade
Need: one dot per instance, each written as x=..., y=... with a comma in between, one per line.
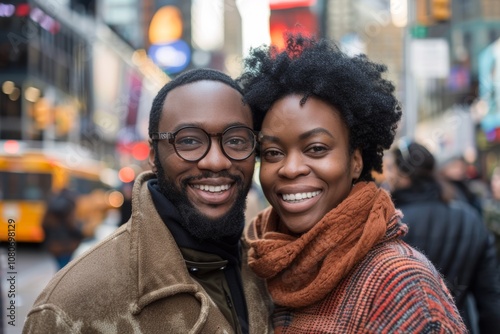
x=54, y=54
x=69, y=82
x=440, y=91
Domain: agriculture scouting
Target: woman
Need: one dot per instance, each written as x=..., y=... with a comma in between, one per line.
x=330, y=245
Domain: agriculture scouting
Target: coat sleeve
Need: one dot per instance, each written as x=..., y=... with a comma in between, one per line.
x=49, y=319
x=413, y=298
x=486, y=288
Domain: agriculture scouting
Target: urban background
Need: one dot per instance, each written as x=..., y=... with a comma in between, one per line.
x=78, y=78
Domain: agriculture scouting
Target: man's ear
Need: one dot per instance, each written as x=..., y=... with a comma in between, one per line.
x=151, y=157
x=356, y=164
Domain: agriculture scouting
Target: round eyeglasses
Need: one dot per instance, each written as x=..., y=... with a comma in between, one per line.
x=192, y=143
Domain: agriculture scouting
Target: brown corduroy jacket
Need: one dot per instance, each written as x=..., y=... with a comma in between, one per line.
x=136, y=281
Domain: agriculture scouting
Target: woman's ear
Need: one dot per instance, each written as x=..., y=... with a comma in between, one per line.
x=356, y=164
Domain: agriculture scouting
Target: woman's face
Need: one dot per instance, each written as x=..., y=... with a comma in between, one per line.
x=306, y=169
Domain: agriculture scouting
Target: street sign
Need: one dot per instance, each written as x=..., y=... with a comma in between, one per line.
x=418, y=31
x=430, y=58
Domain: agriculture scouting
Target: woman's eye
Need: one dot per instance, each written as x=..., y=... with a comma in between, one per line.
x=317, y=149
x=272, y=155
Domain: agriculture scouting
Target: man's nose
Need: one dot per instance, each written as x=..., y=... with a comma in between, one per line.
x=215, y=160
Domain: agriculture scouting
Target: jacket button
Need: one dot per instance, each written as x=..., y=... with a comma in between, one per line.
x=193, y=269
x=223, y=267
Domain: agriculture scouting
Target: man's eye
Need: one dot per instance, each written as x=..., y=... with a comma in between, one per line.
x=186, y=142
x=236, y=141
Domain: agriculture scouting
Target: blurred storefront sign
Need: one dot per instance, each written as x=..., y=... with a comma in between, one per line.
x=172, y=57
x=283, y=4
x=430, y=58
x=296, y=20
x=207, y=24
x=459, y=79
x=168, y=49
x=489, y=89
x=449, y=135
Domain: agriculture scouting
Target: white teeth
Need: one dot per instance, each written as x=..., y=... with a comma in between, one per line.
x=212, y=189
x=299, y=196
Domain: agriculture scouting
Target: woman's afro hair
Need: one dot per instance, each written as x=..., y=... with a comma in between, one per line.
x=353, y=85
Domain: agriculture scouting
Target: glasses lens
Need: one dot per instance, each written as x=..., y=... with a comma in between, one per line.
x=191, y=143
x=238, y=143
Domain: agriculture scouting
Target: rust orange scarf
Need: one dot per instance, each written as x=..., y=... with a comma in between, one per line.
x=303, y=270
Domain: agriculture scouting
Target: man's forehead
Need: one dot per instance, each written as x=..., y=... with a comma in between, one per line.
x=203, y=86
x=204, y=103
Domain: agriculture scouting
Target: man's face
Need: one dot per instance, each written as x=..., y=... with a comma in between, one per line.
x=209, y=193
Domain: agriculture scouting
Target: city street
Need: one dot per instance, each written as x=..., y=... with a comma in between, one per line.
x=398, y=98
x=33, y=269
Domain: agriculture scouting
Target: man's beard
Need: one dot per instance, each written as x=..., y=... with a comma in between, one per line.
x=195, y=222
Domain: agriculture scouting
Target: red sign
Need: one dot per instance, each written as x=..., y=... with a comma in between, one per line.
x=283, y=4
x=295, y=20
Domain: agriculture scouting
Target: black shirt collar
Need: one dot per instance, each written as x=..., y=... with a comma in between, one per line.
x=226, y=249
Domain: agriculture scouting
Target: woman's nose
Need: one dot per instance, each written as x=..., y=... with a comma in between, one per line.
x=293, y=166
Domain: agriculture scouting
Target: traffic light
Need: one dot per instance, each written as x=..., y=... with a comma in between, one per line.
x=441, y=10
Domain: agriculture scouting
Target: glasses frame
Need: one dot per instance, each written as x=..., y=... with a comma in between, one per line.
x=170, y=137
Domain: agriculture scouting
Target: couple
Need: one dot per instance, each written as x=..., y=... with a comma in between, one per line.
x=326, y=257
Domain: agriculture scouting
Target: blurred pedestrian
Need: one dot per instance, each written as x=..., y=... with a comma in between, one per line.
x=491, y=208
x=449, y=232
x=126, y=207
x=330, y=247
x=179, y=264
x=455, y=171
x=63, y=232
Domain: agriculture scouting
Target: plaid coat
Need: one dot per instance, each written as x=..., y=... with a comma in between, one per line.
x=394, y=289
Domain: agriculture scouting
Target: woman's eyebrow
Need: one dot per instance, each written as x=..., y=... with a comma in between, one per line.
x=315, y=131
x=305, y=135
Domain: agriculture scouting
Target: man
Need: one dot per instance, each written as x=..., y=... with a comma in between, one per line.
x=177, y=266
x=449, y=232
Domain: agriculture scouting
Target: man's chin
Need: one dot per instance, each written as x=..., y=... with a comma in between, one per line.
x=212, y=213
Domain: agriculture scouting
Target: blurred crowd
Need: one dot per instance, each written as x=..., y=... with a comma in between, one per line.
x=454, y=219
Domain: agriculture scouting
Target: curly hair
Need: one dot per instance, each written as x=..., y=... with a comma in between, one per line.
x=353, y=85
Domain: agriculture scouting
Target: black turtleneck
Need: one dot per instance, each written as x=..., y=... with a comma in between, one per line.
x=227, y=249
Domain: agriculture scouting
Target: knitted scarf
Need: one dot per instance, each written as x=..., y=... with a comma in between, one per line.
x=302, y=270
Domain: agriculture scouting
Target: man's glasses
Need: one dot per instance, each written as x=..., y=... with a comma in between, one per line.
x=192, y=143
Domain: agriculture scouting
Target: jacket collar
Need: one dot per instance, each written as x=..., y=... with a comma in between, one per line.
x=155, y=259
x=154, y=252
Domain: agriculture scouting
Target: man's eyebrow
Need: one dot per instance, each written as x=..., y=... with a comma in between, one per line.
x=201, y=125
x=302, y=136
